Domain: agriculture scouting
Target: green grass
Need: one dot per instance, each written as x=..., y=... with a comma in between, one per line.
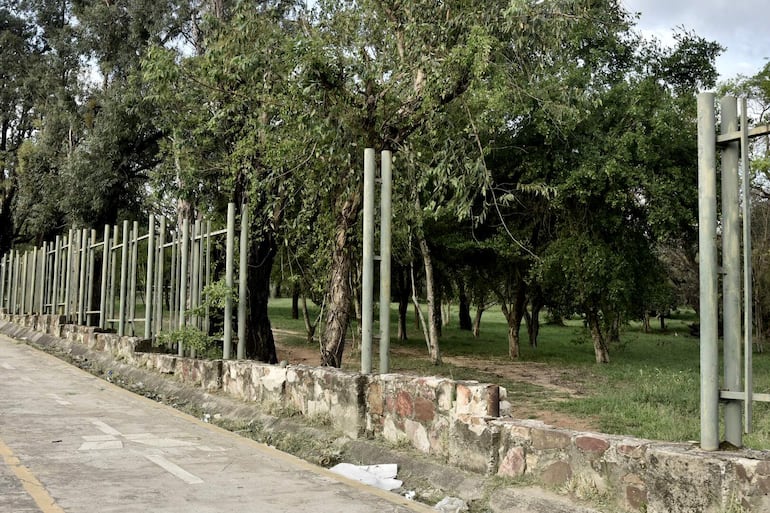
x=649, y=390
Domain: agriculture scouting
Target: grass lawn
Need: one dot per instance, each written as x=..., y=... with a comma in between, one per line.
x=649, y=390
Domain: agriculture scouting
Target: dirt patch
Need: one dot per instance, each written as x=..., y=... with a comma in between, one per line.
x=556, y=383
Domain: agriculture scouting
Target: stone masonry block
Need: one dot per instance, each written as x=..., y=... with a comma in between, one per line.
x=550, y=438
x=556, y=473
x=682, y=480
x=593, y=446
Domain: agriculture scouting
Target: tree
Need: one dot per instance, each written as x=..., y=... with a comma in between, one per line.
x=18, y=60
x=629, y=183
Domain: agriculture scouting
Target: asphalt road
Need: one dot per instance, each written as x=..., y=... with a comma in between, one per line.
x=73, y=443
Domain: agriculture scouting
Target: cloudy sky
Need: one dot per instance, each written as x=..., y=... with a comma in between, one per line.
x=742, y=26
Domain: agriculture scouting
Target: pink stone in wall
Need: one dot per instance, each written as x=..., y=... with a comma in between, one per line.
x=424, y=410
x=592, y=444
x=514, y=463
x=404, y=404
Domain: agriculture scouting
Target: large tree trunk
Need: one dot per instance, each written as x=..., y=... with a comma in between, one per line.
x=260, y=344
x=434, y=310
x=338, y=293
x=600, y=345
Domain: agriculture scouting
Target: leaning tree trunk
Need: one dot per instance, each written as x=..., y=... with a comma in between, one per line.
x=403, y=302
x=433, y=319
x=601, y=350
x=339, y=293
x=260, y=344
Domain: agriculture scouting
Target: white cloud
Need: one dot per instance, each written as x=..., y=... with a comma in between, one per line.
x=739, y=25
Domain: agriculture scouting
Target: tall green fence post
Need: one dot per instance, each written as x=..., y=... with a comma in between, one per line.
x=123, y=281
x=185, y=249
x=148, y=295
x=229, y=257
x=242, y=281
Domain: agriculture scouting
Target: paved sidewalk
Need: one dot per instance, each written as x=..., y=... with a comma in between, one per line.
x=73, y=443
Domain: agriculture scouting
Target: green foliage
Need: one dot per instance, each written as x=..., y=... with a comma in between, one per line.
x=215, y=295
x=189, y=337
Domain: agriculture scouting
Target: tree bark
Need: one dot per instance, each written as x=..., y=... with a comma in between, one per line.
x=615, y=328
x=260, y=344
x=464, y=312
x=514, y=314
x=339, y=293
x=309, y=326
x=403, y=303
x=446, y=313
x=601, y=351
x=477, y=321
x=438, y=315
x=434, y=310
x=533, y=321
x=295, y=301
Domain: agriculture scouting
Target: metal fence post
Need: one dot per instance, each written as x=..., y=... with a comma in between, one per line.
x=91, y=277
x=748, y=304
x=68, y=274
x=194, y=276
x=133, y=263
x=81, y=299
x=43, y=276
x=183, y=277
x=23, y=298
x=242, y=281
x=123, y=281
x=158, y=310
x=386, y=176
x=113, y=276
x=174, y=279
x=731, y=268
x=207, y=321
x=2, y=283
x=105, y=278
x=15, y=289
x=55, y=290
x=367, y=280
x=148, y=296
x=707, y=206
x=229, y=257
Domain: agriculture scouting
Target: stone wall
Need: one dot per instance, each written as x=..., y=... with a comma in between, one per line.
x=458, y=421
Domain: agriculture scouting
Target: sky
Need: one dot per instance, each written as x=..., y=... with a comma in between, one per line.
x=742, y=26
